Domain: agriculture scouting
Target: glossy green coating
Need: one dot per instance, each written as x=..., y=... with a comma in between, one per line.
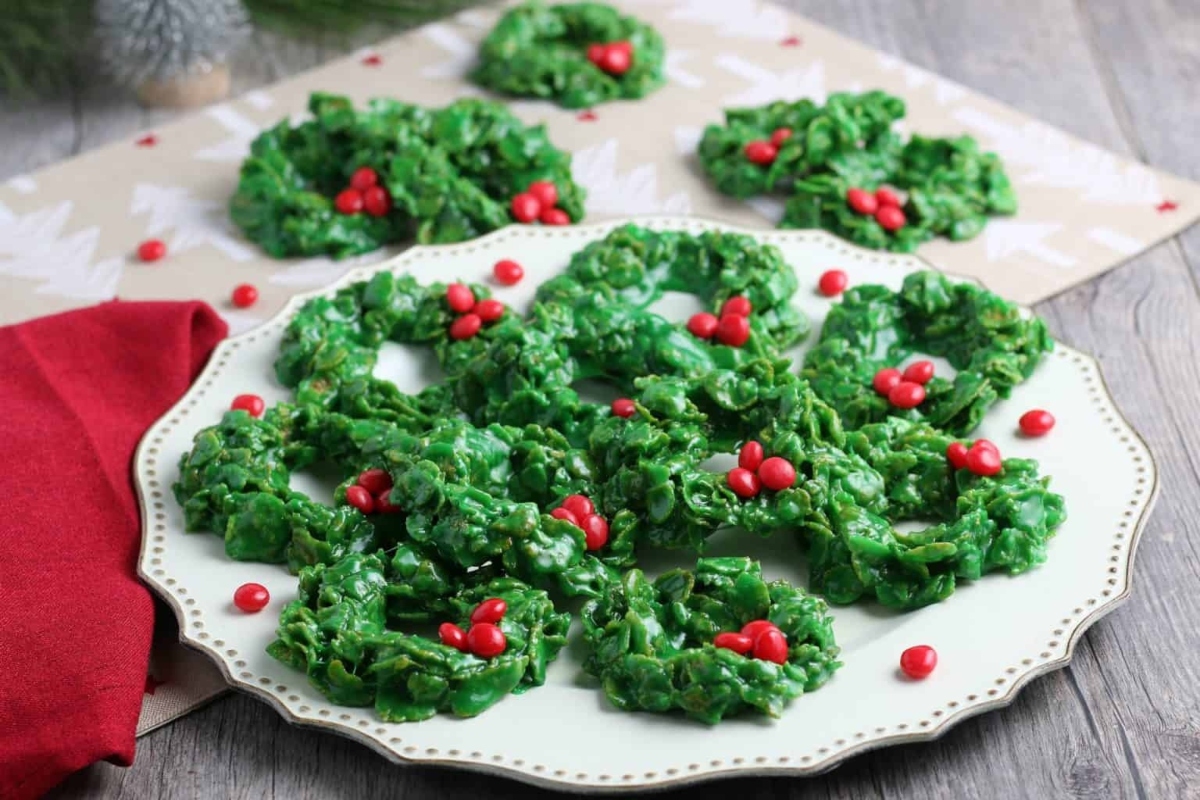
x=986, y=339
x=451, y=173
x=537, y=50
x=951, y=186
x=339, y=631
x=650, y=642
x=480, y=459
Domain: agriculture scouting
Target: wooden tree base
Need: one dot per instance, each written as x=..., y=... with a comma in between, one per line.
x=189, y=91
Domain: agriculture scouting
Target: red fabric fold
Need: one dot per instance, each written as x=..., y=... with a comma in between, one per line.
x=77, y=390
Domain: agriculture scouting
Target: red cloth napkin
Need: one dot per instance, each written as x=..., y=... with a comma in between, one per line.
x=77, y=390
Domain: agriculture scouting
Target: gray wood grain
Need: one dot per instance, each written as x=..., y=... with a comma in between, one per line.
x=1124, y=719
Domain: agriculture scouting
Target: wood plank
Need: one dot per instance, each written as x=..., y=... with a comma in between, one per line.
x=1120, y=721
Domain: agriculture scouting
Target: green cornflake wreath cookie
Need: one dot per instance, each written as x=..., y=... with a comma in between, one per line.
x=985, y=338
x=577, y=54
x=341, y=632
x=651, y=642
x=351, y=181
x=843, y=169
x=501, y=482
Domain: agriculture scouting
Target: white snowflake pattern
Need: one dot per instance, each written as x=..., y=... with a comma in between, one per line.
x=687, y=139
x=258, y=99
x=240, y=321
x=460, y=49
x=767, y=85
x=194, y=221
x=672, y=66
x=323, y=271
x=1044, y=156
x=747, y=19
x=1115, y=240
x=236, y=146
x=1006, y=238
x=613, y=192
x=34, y=247
x=770, y=208
x=23, y=184
x=945, y=92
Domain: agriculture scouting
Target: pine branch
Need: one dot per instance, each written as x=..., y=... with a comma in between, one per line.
x=314, y=17
x=39, y=44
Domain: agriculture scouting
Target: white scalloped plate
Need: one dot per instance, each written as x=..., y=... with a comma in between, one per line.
x=992, y=636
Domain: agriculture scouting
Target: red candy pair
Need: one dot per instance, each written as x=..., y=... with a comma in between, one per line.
x=581, y=512
x=904, y=389
x=370, y=493
x=732, y=328
x=763, y=151
x=884, y=205
x=472, y=313
x=538, y=202
x=484, y=637
x=364, y=194
x=615, y=58
x=760, y=638
x=754, y=472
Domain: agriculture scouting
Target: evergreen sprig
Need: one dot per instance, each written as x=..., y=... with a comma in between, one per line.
x=40, y=40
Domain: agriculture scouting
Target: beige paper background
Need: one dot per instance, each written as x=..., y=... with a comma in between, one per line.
x=68, y=233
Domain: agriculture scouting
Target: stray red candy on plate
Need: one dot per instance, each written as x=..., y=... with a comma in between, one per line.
x=252, y=404
x=152, y=250
x=244, y=295
x=919, y=661
x=251, y=597
x=833, y=282
x=508, y=272
x=1036, y=422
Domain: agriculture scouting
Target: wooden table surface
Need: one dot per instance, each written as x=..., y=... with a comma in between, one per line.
x=1124, y=719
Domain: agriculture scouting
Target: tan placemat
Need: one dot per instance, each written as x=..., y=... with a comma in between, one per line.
x=67, y=234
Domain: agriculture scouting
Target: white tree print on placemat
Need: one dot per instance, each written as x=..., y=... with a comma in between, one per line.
x=34, y=247
x=675, y=72
x=1115, y=240
x=240, y=321
x=22, y=184
x=194, y=221
x=460, y=50
x=236, y=146
x=1039, y=155
x=323, y=270
x=945, y=91
x=767, y=85
x=745, y=19
x=1005, y=238
x=613, y=192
